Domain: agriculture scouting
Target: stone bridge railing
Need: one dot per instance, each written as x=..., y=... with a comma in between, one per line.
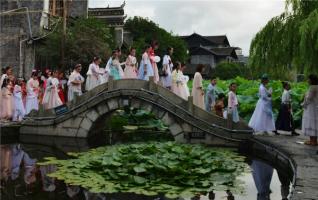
x=182, y=117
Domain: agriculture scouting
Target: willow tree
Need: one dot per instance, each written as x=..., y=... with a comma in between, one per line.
x=288, y=42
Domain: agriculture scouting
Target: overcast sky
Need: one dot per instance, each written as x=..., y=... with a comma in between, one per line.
x=240, y=20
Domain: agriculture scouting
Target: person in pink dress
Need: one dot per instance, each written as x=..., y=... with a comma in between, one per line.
x=131, y=65
x=152, y=55
x=6, y=100
x=51, y=98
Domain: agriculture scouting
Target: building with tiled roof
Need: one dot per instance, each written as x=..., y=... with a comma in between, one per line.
x=209, y=51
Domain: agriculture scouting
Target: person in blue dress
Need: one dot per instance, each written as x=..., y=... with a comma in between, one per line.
x=210, y=95
x=145, y=68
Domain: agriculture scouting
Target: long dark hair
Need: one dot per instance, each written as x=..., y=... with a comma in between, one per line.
x=313, y=79
x=200, y=68
x=176, y=65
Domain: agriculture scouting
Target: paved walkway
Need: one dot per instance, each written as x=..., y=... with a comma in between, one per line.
x=305, y=160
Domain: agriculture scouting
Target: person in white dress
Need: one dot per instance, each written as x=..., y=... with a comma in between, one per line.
x=177, y=83
x=131, y=71
x=32, y=102
x=75, y=82
x=93, y=74
x=262, y=119
x=167, y=67
x=19, y=110
x=186, y=92
x=197, y=88
x=51, y=97
x=233, y=103
x=310, y=114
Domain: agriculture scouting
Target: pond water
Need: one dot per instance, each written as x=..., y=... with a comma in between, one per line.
x=22, y=179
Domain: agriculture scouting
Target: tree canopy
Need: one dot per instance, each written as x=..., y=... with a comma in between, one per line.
x=289, y=42
x=144, y=31
x=85, y=38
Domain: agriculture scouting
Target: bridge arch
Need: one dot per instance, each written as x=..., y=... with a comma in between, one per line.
x=181, y=116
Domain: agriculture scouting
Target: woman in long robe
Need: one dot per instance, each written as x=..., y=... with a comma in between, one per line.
x=152, y=55
x=32, y=102
x=262, y=119
x=145, y=69
x=51, y=98
x=233, y=103
x=310, y=114
x=130, y=65
x=167, y=67
x=93, y=74
x=75, y=82
x=7, y=99
x=177, y=76
x=19, y=109
x=197, y=88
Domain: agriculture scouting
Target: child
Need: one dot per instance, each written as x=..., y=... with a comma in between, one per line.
x=233, y=103
x=6, y=100
x=219, y=105
x=285, y=118
x=19, y=110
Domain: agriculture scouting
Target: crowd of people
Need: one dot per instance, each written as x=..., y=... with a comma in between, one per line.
x=51, y=89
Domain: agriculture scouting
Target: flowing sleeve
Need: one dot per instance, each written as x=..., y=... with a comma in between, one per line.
x=264, y=94
x=311, y=95
x=197, y=82
x=165, y=62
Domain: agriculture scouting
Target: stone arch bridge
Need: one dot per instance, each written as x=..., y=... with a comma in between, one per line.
x=182, y=117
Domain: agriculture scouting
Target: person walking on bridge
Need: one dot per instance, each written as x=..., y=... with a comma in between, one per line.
x=197, y=88
x=75, y=82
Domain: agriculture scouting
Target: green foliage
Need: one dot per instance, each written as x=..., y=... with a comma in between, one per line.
x=247, y=93
x=149, y=169
x=85, y=38
x=288, y=44
x=229, y=70
x=135, y=120
x=144, y=31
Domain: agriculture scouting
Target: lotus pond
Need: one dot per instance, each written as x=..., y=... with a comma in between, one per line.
x=135, y=157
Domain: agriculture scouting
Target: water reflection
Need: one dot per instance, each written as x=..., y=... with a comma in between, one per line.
x=21, y=178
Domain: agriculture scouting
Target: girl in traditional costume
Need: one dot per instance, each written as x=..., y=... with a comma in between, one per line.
x=167, y=67
x=152, y=55
x=185, y=92
x=285, y=120
x=145, y=69
x=51, y=97
x=210, y=95
x=62, y=86
x=233, y=103
x=131, y=65
x=75, y=82
x=310, y=114
x=177, y=83
x=6, y=99
x=32, y=102
x=93, y=74
x=262, y=119
x=19, y=109
x=219, y=105
x=197, y=88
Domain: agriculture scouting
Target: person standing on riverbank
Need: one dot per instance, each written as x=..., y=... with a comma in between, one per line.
x=285, y=120
x=19, y=109
x=197, y=88
x=233, y=103
x=262, y=119
x=310, y=114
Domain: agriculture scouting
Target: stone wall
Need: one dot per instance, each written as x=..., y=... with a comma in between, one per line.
x=21, y=21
